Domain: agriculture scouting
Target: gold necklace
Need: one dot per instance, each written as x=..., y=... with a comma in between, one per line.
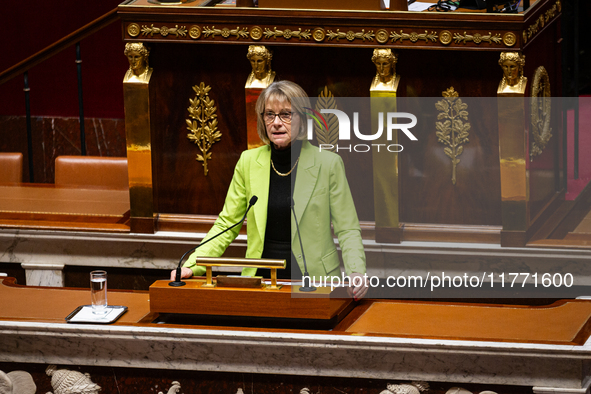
x=282, y=174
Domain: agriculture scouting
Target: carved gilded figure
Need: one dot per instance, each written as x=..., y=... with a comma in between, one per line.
x=260, y=60
x=513, y=80
x=385, y=62
x=137, y=55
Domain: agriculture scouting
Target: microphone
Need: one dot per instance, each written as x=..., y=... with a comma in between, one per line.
x=306, y=279
x=178, y=282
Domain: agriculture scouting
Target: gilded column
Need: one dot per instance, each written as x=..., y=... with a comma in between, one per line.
x=260, y=77
x=513, y=150
x=136, y=94
x=385, y=163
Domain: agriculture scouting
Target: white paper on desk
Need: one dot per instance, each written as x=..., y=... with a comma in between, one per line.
x=416, y=6
x=85, y=315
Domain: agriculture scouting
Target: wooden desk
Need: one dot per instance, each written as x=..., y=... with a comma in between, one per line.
x=59, y=207
x=433, y=342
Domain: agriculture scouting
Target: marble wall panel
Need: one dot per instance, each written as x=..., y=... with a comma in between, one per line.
x=55, y=136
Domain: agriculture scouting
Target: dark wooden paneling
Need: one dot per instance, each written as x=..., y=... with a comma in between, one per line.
x=427, y=192
x=546, y=173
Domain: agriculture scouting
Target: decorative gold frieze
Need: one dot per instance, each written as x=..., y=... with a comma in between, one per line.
x=133, y=30
x=256, y=33
x=477, y=38
x=287, y=34
x=203, y=123
x=453, y=131
x=164, y=30
x=541, y=106
x=327, y=134
x=225, y=32
x=542, y=20
x=413, y=36
x=351, y=35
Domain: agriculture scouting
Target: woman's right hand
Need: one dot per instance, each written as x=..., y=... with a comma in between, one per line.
x=185, y=273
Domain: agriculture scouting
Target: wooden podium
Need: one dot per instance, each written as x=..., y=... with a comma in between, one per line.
x=286, y=302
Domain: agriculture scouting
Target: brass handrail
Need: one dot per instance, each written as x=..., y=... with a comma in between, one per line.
x=59, y=46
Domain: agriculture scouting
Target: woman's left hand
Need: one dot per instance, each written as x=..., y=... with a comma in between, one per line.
x=357, y=292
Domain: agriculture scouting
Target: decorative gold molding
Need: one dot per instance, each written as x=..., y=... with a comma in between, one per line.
x=164, y=30
x=287, y=34
x=319, y=34
x=413, y=36
x=541, y=106
x=328, y=136
x=351, y=35
x=225, y=32
x=452, y=132
x=203, y=123
x=477, y=38
x=543, y=19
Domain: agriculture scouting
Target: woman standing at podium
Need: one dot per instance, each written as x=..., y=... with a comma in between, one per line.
x=289, y=166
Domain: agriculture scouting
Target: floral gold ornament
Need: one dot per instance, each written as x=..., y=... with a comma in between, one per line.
x=350, y=35
x=445, y=37
x=542, y=20
x=256, y=33
x=413, y=36
x=164, y=31
x=318, y=34
x=195, y=32
x=133, y=30
x=452, y=131
x=524, y=33
x=287, y=34
x=509, y=39
x=203, y=123
x=477, y=38
x=225, y=32
x=541, y=107
x=328, y=136
x=382, y=36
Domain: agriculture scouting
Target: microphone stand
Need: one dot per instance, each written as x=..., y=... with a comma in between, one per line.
x=178, y=282
x=306, y=286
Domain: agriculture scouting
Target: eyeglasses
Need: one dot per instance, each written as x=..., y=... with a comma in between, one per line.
x=284, y=116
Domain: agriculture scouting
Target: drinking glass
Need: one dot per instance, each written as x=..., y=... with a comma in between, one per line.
x=98, y=292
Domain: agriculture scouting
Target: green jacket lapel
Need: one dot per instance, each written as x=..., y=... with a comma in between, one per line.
x=259, y=177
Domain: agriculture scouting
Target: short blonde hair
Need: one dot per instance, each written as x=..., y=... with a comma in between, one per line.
x=283, y=91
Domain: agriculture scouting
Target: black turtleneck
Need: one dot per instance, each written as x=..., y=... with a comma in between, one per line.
x=278, y=232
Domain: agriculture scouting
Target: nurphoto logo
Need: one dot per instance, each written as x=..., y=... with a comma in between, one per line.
x=345, y=129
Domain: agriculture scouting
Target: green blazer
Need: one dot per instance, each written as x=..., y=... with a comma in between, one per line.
x=322, y=196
